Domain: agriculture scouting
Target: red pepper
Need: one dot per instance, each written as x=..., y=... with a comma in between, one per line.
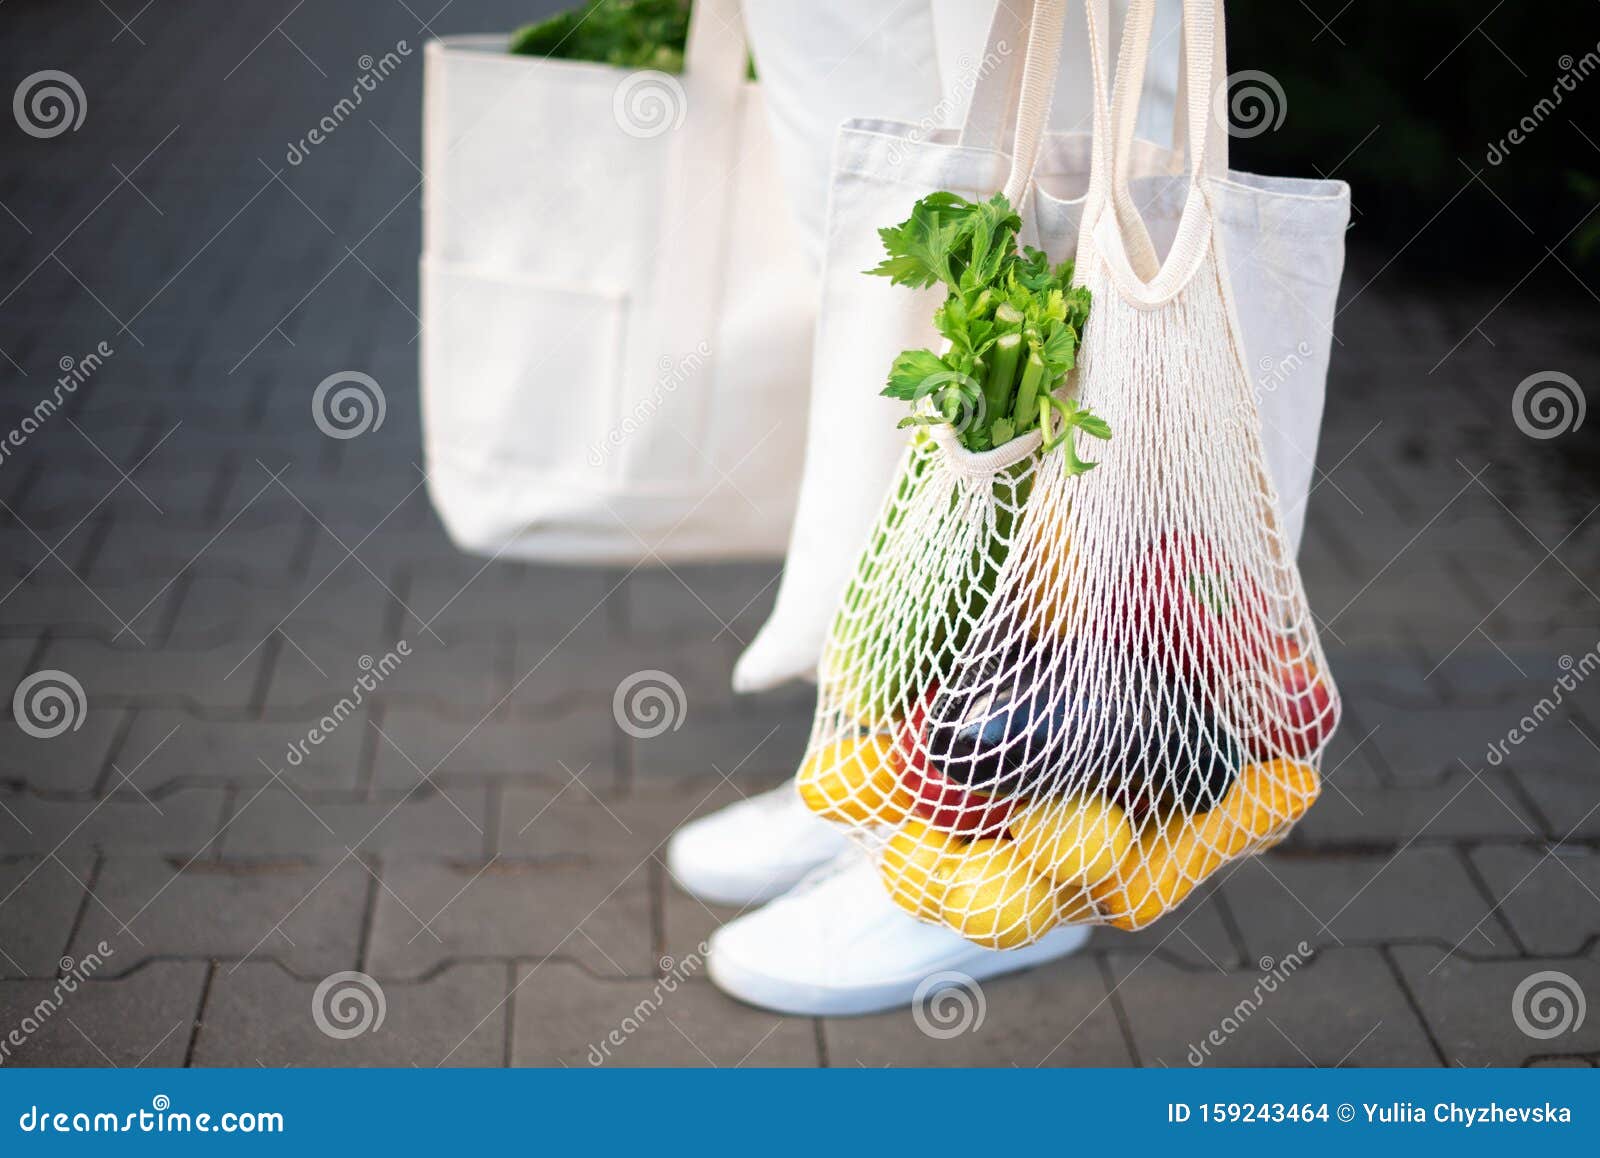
x=946, y=805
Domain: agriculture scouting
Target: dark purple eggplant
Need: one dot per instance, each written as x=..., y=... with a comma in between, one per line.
x=1006, y=726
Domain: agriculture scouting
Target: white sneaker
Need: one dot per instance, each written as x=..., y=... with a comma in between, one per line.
x=838, y=945
x=754, y=850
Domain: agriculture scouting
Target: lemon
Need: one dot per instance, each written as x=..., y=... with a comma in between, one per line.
x=1146, y=883
x=1261, y=805
x=993, y=898
x=855, y=781
x=1163, y=866
x=1076, y=842
x=907, y=867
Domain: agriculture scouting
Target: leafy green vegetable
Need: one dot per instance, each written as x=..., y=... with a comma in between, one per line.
x=626, y=33
x=1011, y=320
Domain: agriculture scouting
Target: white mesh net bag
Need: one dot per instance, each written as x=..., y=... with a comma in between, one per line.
x=1053, y=693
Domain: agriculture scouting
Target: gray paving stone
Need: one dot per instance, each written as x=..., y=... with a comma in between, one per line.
x=50, y=599
x=467, y=674
x=71, y=762
x=1550, y=897
x=1351, y=755
x=156, y=548
x=755, y=748
x=184, y=821
x=560, y=821
x=547, y=672
x=262, y=1015
x=455, y=746
x=166, y=746
x=1195, y=935
x=39, y=900
x=387, y=554
x=687, y=921
x=1565, y=786
x=346, y=609
x=1417, y=894
x=1458, y=806
x=428, y=913
x=729, y=601
x=14, y=656
x=567, y=1016
x=1516, y=675
x=305, y=915
x=223, y=676
x=141, y=1020
x=1339, y=1007
x=481, y=595
x=276, y=822
x=183, y=491
x=1471, y=1005
x=1422, y=744
x=1059, y=1014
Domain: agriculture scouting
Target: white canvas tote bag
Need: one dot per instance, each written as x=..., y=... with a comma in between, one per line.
x=617, y=312
x=1284, y=244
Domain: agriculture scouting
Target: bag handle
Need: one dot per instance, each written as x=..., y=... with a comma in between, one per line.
x=1120, y=236
x=1037, y=92
x=1015, y=102
x=698, y=178
x=989, y=121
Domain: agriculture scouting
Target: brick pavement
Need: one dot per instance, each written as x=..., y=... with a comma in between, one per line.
x=481, y=838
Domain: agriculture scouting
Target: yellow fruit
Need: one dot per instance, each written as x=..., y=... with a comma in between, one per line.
x=907, y=867
x=1146, y=884
x=855, y=781
x=1075, y=842
x=1075, y=907
x=1167, y=861
x=1261, y=804
x=1291, y=786
x=992, y=898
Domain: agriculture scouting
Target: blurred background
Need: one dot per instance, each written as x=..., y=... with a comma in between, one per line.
x=481, y=841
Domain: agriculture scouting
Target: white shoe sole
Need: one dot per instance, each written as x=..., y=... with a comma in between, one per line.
x=734, y=890
x=782, y=995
